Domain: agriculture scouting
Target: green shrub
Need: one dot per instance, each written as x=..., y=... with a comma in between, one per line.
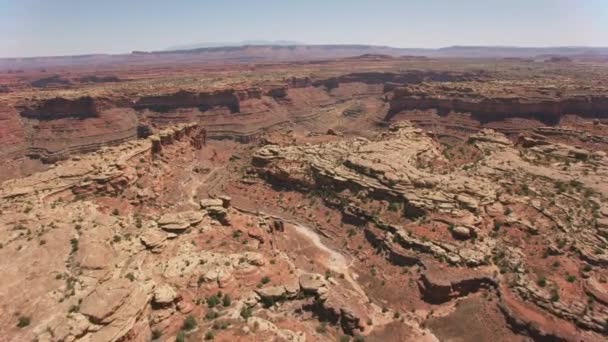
x=74, y=243
x=554, y=296
x=226, y=301
x=189, y=323
x=211, y=314
x=542, y=282
x=23, y=321
x=213, y=301
x=156, y=334
x=246, y=312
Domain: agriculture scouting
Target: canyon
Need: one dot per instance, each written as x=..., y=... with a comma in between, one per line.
x=368, y=197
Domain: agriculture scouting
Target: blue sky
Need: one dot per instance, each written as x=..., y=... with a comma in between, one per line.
x=59, y=27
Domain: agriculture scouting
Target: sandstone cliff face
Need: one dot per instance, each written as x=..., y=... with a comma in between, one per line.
x=54, y=128
x=485, y=108
x=12, y=140
x=239, y=114
x=58, y=127
x=59, y=108
x=409, y=77
x=185, y=99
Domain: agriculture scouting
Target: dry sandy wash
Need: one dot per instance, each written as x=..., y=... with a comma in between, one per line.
x=371, y=198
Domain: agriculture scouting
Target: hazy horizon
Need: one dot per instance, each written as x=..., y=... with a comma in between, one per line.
x=30, y=28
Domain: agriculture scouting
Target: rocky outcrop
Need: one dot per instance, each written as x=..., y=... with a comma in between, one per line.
x=115, y=306
x=217, y=208
x=439, y=286
x=326, y=304
x=164, y=295
x=530, y=328
x=85, y=176
x=471, y=202
x=168, y=136
x=387, y=168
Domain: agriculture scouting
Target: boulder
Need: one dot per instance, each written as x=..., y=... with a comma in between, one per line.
x=495, y=209
x=164, y=295
x=179, y=222
x=217, y=212
x=312, y=283
x=211, y=202
x=272, y=292
x=217, y=208
x=226, y=200
x=154, y=240
x=461, y=232
x=331, y=131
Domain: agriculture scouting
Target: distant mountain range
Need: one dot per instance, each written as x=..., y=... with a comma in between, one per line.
x=227, y=44
x=281, y=51
x=462, y=51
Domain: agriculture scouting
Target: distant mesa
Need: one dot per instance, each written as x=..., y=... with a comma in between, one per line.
x=228, y=44
x=51, y=81
x=98, y=79
x=58, y=81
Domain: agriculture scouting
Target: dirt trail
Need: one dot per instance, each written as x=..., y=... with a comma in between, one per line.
x=336, y=262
